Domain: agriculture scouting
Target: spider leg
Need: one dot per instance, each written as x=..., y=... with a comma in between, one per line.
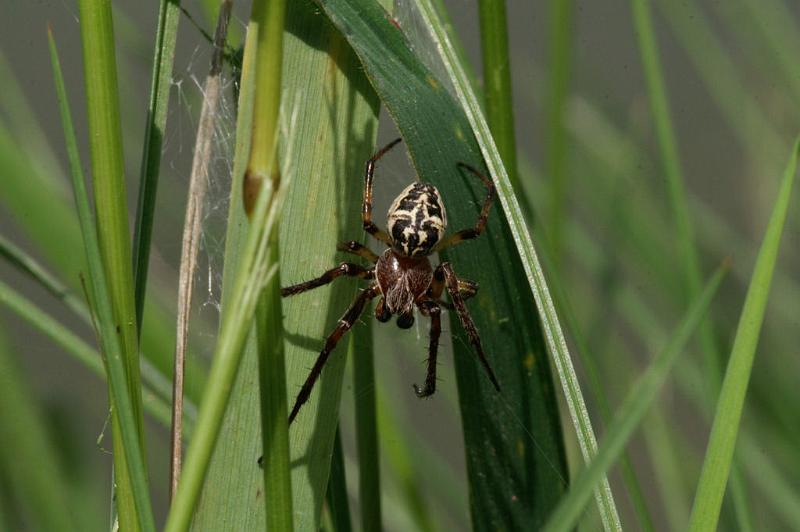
x=472, y=232
x=344, y=325
x=346, y=268
x=451, y=282
x=431, y=308
x=366, y=210
x=356, y=248
x=466, y=288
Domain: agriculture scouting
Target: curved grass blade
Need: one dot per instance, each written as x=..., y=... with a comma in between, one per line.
x=721, y=444
x=515, y=455
x=126, y=418
x=630, y=413
x=529, y=261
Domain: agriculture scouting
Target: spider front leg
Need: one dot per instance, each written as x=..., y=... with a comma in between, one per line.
x=472, y=232
x=346, y=268
x=366, y=209
x=431, y=308
x=452, y=285
x=357, y=248
x=344, y=325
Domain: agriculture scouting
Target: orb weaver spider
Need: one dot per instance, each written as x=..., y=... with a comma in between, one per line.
x=402, y=275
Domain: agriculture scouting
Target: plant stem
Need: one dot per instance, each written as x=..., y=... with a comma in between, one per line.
x=105, y=143
x=268, y=18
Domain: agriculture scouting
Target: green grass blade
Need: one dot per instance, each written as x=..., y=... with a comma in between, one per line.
x=530, y=263
x=721, y=444
x=268, y=19
x=497, y=81
x=369, y=476
x=335, y=134
x=108, y=179
x=127, y=420
x=685, y=237
x=519, y=482
x=252, y=274
x=28, y=454
x=630, y=413
x=164, y=55
x=560, y=44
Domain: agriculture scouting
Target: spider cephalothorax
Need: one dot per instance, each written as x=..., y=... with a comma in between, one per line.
x=403, y=276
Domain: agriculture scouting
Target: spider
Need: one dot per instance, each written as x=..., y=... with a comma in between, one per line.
x=402, y=275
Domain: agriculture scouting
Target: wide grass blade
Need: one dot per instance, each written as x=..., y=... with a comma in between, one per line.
x=529, y=261
x=135, y=497
x=516, y=481
x=630, y=413
x=722, y=442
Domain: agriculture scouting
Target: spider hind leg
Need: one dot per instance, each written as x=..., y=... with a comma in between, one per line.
x=453, y=288
x=431, y=309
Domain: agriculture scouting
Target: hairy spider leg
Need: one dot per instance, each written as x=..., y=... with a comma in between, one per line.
x=451, y=282
x=366, y=210
x=357, y=248
x=466, y=288
x=346, y=268
x=431, y=308
x=472, y=232
x=344, y=325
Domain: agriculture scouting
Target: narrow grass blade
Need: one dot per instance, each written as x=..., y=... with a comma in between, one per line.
x=559, y=65
x=132, y=468
x=527, y=255
x=32, y=183
x=155, y=394
x=333, y=136
x=721, y=444
x=630, y=413
x=497, y=81
x=263, y=170
x=108, y=178
x=28, y=454
x=163, y=58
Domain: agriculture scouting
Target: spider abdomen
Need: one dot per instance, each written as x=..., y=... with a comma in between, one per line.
x=417, y=220
x=402, y=280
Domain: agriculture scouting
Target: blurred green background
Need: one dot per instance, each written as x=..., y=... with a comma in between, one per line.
x=591, y=172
